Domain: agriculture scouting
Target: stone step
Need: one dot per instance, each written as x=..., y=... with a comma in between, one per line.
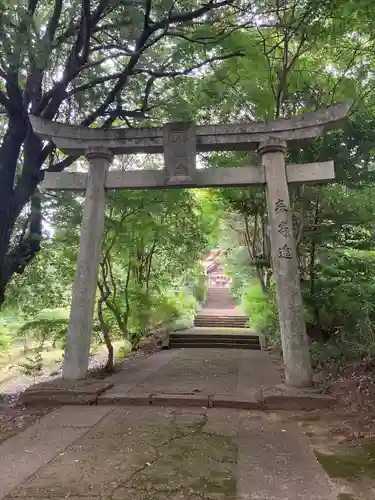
x=214, y=337
x=213, y=341
x=218, y=326
x=217, y=345
x=204, y=339
x=218, y=314
x=220, y=323
x=232, y=319
x=200, y=317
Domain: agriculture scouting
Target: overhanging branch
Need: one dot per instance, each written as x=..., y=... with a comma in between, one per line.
x=161, y=74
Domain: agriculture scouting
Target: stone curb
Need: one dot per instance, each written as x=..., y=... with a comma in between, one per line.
x=180, y=400
x=270, y=403
x=237, y=402
x=124, y=399
x=273, y=402
x=299, y=403
x=39, y=399
x=64, y=395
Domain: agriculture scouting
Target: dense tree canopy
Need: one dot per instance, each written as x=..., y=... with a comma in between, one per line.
x=130, y=63
x=97, y=63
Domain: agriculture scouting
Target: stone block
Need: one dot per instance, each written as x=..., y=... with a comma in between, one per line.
x=249, y=401
x=187, y=400
x=37, y=398
x=179, y=153
x=262, y=341
x=88, y=386
x=165, y=343
x=298, y=402
x=65, y=392
x=124, y=399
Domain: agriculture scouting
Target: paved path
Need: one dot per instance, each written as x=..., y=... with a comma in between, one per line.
x=166, y=453
x=145, y=453
x=204, y=371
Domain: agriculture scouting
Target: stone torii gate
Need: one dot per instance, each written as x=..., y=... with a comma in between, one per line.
x=179, y=142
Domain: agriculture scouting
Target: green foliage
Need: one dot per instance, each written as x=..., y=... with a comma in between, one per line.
x=200, y=288
x=344, y=289
x=238, y=267
x=123, y=351
x=262, y=311
x=32, y=365
x=5, y=339
x=345, y=346
x=46, y=283
x=49, y=324
x=43, y=329
x=54, y=65
x=300, y=58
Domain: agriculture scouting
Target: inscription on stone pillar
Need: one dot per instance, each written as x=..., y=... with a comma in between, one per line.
x=281, y=209
x=179, y=153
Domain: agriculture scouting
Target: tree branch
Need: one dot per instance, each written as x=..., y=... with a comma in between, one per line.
x=54, y=21
x=161, y=74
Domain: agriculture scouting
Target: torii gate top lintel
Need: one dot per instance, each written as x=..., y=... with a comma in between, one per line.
x=77, y=139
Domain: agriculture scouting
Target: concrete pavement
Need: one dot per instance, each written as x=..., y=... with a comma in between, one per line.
x=178, y=447
x=148, y=453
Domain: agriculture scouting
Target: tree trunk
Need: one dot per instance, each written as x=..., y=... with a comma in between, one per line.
x=312, y=263
x=13, y=198
x=110, y=366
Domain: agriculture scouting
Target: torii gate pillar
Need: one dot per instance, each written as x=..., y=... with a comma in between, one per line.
x=84, y=288
x=297, y=363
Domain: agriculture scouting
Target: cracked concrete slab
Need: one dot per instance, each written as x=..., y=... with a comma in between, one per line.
x=134, y=372
x=275, y=462
x=156, y=453
x=25, y=454
x=142, y=453
x=194, y=371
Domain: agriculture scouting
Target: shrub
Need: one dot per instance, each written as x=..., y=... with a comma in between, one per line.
x=344, y=346
x=344, y=289
x=32, y=364
x=200, y=289
x=45, y=329
x=123, y=351
x=262, y=311
x=5, y=339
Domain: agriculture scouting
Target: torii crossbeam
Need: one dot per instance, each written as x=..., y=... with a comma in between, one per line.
x=180, y=142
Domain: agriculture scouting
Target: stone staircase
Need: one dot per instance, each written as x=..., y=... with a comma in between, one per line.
x=220, y=320
x=219, y=298
x=208, y=338
x=218, y=324
x=220, y=311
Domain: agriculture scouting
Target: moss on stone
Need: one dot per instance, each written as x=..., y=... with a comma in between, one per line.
x=350, y=466
x=194, y=463
x=345, y=496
